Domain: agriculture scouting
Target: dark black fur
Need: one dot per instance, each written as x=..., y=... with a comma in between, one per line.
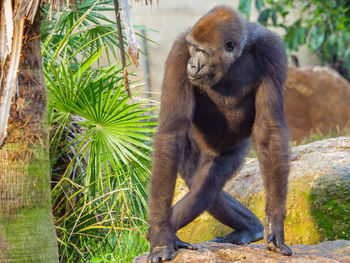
x=213, y=100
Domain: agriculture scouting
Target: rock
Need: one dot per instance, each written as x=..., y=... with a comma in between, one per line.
x=316, y=100
x=330, y=252
x=318, y=202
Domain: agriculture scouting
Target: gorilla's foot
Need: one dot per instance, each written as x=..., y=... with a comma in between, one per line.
x=240, y=237
x=166, y=253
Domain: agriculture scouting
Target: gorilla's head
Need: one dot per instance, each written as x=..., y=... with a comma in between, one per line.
x=215, y=42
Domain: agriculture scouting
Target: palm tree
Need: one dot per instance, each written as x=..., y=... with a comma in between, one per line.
x=27, y=232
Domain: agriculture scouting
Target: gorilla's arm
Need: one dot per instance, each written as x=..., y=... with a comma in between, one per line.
x=174, y=120
x=270, y=138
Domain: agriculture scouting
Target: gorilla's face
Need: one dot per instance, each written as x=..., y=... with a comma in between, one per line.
x=214, y=44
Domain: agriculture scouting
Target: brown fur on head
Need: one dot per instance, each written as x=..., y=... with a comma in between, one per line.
x=215, y=42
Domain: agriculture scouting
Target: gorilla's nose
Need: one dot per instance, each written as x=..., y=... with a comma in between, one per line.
x=192, y=69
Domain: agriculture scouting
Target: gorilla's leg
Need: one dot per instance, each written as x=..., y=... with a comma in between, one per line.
x=232, y=213
x=205, y=185
x=201, y=195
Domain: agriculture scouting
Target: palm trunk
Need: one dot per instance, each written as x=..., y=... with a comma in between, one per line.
x=26, y=224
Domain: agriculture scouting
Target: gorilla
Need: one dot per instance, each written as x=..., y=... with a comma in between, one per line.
x=222, y=89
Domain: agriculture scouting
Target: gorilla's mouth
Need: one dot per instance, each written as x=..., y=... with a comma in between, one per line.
x=194, y=78
x=208, y=79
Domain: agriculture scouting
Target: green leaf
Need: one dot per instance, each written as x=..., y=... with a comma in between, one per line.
x=88, y=63
x=264, y=16
x=259, y=4
x=300, y=32
x=347, y=59
x=244, y=7
x=331, y=48
x=274, y=18
x=340, y=46
x=284, y=13
x=295, y=41
x=317, y=38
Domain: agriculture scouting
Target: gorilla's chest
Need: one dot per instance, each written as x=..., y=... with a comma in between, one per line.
x=222, y=120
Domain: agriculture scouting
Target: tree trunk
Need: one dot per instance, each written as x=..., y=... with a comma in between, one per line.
x=26, y=224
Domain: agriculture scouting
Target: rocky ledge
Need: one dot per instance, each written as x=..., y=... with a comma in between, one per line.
x=318, y=201
x=328, y=252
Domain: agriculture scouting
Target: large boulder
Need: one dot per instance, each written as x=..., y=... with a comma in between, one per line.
x=316, y=101
x=318, y=202
x=326, y=252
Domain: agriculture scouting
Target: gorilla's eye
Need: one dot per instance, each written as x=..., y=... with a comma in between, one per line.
x=229, y=45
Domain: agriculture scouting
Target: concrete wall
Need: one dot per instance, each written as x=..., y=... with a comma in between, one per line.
x=170, y=18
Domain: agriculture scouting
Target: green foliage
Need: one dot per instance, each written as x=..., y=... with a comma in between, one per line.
x=106, y=130
x=324, y=26
x=100, y=139
x=244, y=6
x=81, y=32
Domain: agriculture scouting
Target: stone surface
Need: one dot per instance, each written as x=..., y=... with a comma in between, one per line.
x=318, y=202
x=328, y=252
x=316, y=100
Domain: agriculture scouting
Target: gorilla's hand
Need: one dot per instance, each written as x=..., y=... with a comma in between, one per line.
x=160, y=254
x=274, y=237
x=181, y=244
x=166, y=253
